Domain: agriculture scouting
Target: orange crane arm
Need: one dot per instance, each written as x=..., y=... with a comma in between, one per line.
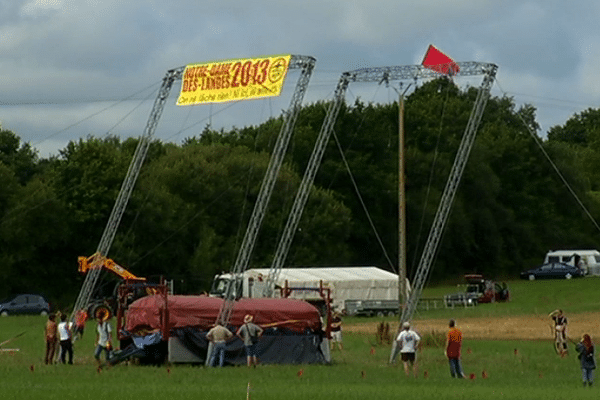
x=92, y=262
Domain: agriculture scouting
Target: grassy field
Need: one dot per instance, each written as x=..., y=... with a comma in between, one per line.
x=527, y=298
x=514, y=369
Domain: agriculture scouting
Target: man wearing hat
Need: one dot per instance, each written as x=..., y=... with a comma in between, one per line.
x=408, y=341
x=249, y=333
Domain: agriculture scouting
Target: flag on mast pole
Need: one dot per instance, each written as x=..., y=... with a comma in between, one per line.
x=437, y=61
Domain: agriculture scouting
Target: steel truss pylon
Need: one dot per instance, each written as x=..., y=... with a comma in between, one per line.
x=306, y=64
x=114, y=220
x=379, y=75
x=443, y=211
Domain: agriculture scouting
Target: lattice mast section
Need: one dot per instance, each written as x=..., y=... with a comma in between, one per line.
x=306, y=64
x=437, y=228
x=114, y=220
x=301, y=197
x=380, y=75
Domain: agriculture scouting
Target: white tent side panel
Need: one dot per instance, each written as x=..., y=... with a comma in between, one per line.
x=345, y=283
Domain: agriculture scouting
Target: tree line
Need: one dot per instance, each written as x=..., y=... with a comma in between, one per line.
x=190, y=207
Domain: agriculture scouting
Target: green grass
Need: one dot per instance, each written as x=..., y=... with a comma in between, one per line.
x=526, y=298
x=359, y=372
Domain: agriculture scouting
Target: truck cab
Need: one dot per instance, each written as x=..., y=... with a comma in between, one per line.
x=244, y=285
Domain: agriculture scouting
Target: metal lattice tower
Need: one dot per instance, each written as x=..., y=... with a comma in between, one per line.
x=445, y=205
x=306, y=64
x=114, y=220
x=380, y=75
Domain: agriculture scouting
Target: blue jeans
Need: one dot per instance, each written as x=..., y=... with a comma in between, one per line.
x=588, y=375
x=455, y=368
x=99, y=350
x=218, y=347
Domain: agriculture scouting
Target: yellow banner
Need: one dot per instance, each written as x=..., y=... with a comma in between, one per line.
x=229, y=80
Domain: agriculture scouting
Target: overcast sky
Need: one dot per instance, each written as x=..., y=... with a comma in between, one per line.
x=73, y=68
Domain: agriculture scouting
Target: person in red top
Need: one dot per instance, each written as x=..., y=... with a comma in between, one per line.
x=453, y=344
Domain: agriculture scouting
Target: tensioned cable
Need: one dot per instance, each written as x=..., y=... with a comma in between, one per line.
x=431, y=173
x=94, y=114
x=354, y=181
x=560, y=175
x=337, y=142
x=50, y=183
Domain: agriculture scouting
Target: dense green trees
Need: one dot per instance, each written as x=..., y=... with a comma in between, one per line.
x=192, y=202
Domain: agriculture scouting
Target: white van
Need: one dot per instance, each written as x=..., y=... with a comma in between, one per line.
x=588, y=260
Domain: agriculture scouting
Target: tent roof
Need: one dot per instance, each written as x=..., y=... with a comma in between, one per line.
x=332, y=274
x=202, y=312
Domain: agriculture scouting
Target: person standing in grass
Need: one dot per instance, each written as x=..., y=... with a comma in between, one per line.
x=560, y=326
x=408, y=341
x=336, y=332
x=103, y=337
x=585, y=348
x=218, y=335
x=51, y=338
x=66, y=345
x=453, y=345
x=249, y=333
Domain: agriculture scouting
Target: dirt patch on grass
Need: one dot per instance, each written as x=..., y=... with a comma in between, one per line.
x=505, y=328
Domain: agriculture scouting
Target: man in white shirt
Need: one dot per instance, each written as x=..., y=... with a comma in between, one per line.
x=64, y=334
x=408, y=341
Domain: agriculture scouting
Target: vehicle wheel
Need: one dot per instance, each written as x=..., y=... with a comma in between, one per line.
x=44, y=313
x=391, y=313
x=532, y=277
x=4, y=313
x=568, y=276
x=380, y=314
x=102, y=310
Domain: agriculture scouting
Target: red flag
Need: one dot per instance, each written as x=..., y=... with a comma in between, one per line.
x=439, y=62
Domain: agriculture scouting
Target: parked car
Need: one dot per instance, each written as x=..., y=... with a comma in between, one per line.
x=554, y=270
x=25, y=304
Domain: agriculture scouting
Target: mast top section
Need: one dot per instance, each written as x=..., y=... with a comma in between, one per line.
x=413, y=72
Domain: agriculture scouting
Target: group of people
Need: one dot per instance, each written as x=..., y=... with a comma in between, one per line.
x=65, y=333
x=585, y=348
x=408, y=342
x=249, y=333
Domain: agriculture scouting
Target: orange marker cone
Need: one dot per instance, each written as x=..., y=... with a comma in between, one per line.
x=484, y=374
x=516, y=352
x=300, y=372
x=468, y=350
x=31, y=367
x=372, y=350
x=471, y=376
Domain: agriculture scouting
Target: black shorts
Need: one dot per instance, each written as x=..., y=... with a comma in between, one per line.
x=408, y=357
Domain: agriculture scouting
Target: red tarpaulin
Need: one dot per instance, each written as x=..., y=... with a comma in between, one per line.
x=202, y=312
x=439, y=62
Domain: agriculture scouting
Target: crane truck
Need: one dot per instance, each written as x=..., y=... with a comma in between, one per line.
x=108, y=303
